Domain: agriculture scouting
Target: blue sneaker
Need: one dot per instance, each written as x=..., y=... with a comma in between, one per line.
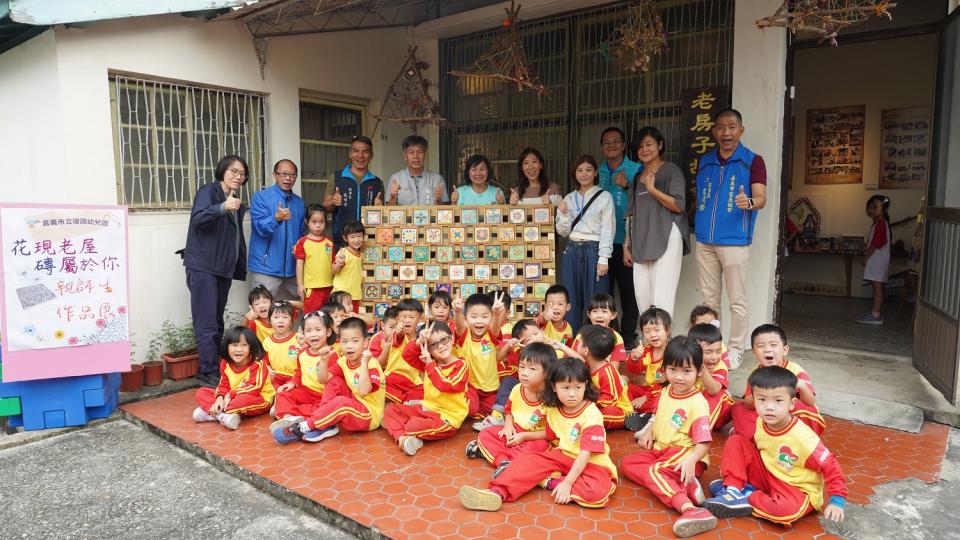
x=729, y=504
x=317, y=435
x=716, y=487
x=869, y=318
x=286, y=430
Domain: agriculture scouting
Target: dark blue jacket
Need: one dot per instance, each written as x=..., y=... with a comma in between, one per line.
x=271, y=242
x=212, y=235
x=718, y=220
x=355, y=196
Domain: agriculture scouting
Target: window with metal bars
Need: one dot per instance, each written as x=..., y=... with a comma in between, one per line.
x=589, y=88
x=326, y=130
x=169, y=137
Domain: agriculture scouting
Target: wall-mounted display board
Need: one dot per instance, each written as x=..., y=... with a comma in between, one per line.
x=905, y=148
x=835, y=145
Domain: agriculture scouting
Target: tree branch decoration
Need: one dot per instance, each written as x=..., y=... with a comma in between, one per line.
x=506, y=60
x=641, y=37
x=826, y=18
x=408, y=100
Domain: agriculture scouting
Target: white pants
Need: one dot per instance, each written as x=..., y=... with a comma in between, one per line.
x=655, y=281
x=280, y=288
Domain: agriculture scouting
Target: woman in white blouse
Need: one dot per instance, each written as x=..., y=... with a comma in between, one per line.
x=533, y=187
x=586, y=217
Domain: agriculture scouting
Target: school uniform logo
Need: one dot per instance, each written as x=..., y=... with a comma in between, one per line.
x=536, y=416
x=575, y=432
x=356, y=379
x=678, y=419
x=292, y=352
x=786, y=458
x=485, y=347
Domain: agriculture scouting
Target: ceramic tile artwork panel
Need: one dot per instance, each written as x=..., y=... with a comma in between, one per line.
x=464, y=249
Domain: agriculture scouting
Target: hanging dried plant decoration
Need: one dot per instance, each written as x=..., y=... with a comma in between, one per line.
x=408, y=99
x=505, y=60
x=641, y=37
x=825, y=18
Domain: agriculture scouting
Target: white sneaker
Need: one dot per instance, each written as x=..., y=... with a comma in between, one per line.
x=273, y=411
x=410, y=445
x=698, y=496
x=489, y=421
x=229, y=420
x=735, y=359
x=646, y=428
x=200, y=415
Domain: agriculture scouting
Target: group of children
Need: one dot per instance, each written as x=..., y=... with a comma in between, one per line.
x=543, y=400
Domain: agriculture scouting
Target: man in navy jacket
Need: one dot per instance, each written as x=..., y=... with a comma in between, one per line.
x=276, y=224
x=354, y=187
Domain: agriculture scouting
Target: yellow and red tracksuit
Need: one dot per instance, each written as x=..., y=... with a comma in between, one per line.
x=249, y=388
x=613, y=402
x=720, y=403
x=281, y=358
x=404, y=382
x=480, y=353
x=342, y=403
x=652, y=371
x=444, y=405
x=307, y=393
x=317, y=257
x=528, y=416
x=744, y=418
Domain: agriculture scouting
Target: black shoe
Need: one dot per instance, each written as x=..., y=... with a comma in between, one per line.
x=636, y=422
x=473, y=450
x=210, y=379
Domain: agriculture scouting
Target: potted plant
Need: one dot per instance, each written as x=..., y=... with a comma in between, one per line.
x=132, y=380
x=180, y=344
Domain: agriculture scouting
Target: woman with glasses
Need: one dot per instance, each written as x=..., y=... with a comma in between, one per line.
x=215, y=254
x=277, y=221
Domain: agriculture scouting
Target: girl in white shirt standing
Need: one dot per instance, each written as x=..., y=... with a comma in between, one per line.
x=586, y=217
x=877, y=255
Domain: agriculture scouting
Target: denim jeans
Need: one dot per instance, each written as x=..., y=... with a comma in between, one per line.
x=578, y=273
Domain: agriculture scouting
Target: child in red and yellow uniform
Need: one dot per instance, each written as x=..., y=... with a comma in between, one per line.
x=770, y=347
x=258, y=317
x=602, y=311
x=675, y=450
x=556, y=304
x=644, y=368
x=444, y=404
x=281, y=346
x=594, y=345
x=523, y=430
x=779, y=470
x=713, y=381
x=244, y=387
x=348, y=264
x=478, y=321
x=404, y=381
x=304, y=392
x=314, y=254
x=578, y=466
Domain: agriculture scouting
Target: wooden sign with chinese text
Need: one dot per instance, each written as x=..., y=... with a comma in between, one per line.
x=698, y=106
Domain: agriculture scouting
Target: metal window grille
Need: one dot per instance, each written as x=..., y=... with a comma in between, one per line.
x=169, y=138
x=590, y=89
x=326, y=131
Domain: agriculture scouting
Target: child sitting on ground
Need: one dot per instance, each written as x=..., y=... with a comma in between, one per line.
x=355, y=404
x=244, y=389
x=301, y=395
x=713, y=381
x=602, y=311
x=595, y=344
x=478, y=321
x=552, y=320
x=770, y=348
x=523, y=428
x=348, y=264
x=644, y=369
x=314, y=255
x=337, y=312
x=578, y=466
x=404, y=382
x=708, y=315
x=444, y=404
x=346, y=300
x=779, y=470
x=381, y=340
x=440, y=305
x=281, y=346
x=258, y=317
x=674, y=452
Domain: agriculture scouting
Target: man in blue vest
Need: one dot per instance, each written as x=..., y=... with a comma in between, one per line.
x=731, y=188
x=277, y=223
x=353, y=188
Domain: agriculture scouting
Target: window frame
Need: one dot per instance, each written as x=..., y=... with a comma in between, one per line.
x=339, y=102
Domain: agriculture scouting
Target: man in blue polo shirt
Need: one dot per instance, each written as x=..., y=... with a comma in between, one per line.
x=616, y=176
x=276, y=224
x=354, y=187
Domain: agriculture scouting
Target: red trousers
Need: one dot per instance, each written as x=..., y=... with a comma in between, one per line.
x=413, y=420
x=774, y=499
x=245, y=404
x=720, y=405
x=400, y=388
x=316, y=298
x=347, y=412
x=745, y=420
x=613, y=417
x=279, y=379
x=495, y=450
x=592, y=488
x=480, y=403
x=299, y=401
x=653, y=397
x=654, y=469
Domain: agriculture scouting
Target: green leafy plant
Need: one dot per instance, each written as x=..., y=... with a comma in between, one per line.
x=174, y=339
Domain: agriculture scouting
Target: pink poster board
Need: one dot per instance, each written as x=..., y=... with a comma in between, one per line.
x=64, y=287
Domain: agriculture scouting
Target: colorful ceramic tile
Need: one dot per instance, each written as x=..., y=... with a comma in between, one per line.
x=541, y=215
x=493, y=253
x=532, y=271
x=419, y=291
x=517, y=290
x=380, y=310
x=518, y=216
x=541, y=252
x=468, y=216
x=492, y=288
x=383, y=272
x=540, y=290
x=397, y=217
x=531, y=309
x=457, y=272
x=531, y=234
x=469, y=253
x=408, y=236
x=421, y=217
x=481, y=272
x=444, y=287
x=421, y=253
x=385, y=235
x=445, y=254
x=466, y=289
x=492, y=215
x=372, y=254
x=373, y=218
x=445, y=217
x=395, y=254
x=395, y=291
x=517, y=253
x=458, y=235
x=481, y=234
x=408, y=272
x=431, y=272
x=507, y=272
x=371, y=291
x=507, y=233
x=433, y=235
